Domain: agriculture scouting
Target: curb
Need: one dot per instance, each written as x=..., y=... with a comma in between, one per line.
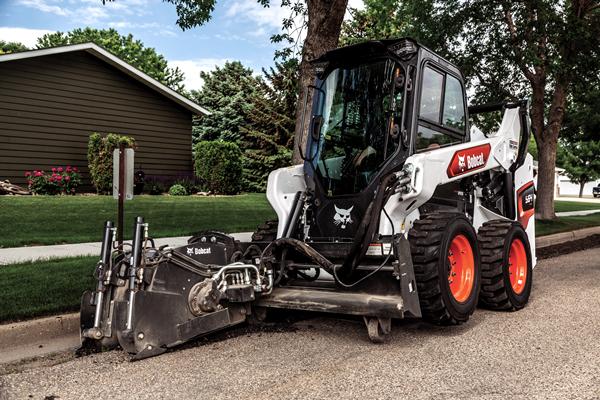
x=563, y=237
x=31, y=332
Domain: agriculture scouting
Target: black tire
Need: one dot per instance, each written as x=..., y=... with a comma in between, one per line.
x=430, y=239
x=266, y=232
x=495, y=240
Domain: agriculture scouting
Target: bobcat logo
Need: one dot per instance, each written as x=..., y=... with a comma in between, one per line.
x=461, y=163
x=342, y=218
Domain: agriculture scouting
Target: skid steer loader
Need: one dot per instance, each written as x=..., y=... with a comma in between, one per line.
x=400, y=209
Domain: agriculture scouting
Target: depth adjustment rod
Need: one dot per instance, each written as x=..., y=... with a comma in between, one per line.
x=102, y=268
x=134, y=263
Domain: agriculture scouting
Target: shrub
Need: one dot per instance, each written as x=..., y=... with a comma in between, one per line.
x=100, y=154
x=177, y=190
x=191, y=184
x=61, y=181
x=218, y=165
x=156, y=184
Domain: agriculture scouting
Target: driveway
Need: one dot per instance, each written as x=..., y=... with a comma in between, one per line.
x=549, y=350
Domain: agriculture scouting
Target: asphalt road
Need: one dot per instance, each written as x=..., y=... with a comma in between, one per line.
x=550, y=349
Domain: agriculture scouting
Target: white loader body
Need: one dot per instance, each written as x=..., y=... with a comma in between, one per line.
x=430, y=169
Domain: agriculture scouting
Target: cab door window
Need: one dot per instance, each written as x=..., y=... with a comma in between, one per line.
x=431, y=95
x=454, y=107
x=441, y=111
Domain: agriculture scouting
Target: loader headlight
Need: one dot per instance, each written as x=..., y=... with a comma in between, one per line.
x=320, y=68
x=404, y=48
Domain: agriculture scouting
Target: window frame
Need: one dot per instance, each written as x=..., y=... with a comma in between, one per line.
x=438, y=125
x=462, y=88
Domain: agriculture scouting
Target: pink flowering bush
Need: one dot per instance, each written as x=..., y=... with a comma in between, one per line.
x=60, y=181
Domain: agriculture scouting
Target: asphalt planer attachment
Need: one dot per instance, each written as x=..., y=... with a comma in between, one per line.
x=148, y=300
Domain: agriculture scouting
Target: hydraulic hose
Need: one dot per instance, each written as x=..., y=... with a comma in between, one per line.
x=364, y=235
x=300, y=247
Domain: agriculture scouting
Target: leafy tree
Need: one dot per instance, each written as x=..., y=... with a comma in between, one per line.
x=226, y=92
x=551, y=45
x=132, y=51
x=580, y=136
x=536, y=48
x=582, y=120
x=269, y=136
x=434, y=23
x=532, y=148
x=11, y=47
x=322, y=20
x=255, y=113
x=100, y=158
x=218, y=164
x=580, y=161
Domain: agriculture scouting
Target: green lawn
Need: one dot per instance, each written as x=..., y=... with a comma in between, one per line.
x=565, y=224
x=563, y=206
x=41, y=220
x=45, y=287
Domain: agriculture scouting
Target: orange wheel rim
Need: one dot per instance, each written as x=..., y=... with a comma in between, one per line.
x=461, y=271
x=517, y=266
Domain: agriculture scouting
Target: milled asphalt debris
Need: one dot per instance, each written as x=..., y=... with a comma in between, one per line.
x=549, y=350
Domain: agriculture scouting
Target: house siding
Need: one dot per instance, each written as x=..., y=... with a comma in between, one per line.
x=50, y=105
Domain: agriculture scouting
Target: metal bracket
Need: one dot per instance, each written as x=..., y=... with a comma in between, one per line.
x=405, y=273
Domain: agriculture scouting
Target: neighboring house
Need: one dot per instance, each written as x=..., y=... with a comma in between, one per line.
x=51, y=100
x=563, y=185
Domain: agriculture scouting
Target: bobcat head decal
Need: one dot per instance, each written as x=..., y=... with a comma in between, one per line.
x=461, y=163
x=342, y=218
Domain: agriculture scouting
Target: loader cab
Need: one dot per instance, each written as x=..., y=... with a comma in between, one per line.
x=373, y=105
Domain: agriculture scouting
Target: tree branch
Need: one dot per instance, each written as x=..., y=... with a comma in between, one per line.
x=512, y=29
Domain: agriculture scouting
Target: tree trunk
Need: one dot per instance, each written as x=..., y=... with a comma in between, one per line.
x=581, y=186
x=544, y=204
x=323, y=33
x=547, y=143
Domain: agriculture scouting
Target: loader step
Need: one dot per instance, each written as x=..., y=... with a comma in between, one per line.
x=354, y=303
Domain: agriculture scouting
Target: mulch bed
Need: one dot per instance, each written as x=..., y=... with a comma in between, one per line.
x=568, y=247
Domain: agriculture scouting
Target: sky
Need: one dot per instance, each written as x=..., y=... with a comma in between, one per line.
x=239, y=29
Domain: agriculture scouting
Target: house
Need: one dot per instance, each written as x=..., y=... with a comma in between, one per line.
x=51, y=100
x=564, y=187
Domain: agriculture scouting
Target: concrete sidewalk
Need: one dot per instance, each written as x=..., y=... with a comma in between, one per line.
x=24, y=254
x=33, y=253
x=576, y=213
x=578, y=199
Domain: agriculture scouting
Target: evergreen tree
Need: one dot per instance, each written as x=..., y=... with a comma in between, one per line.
x=269, y=137
x=226, y=92
x=255, y=113
x=11, y=47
